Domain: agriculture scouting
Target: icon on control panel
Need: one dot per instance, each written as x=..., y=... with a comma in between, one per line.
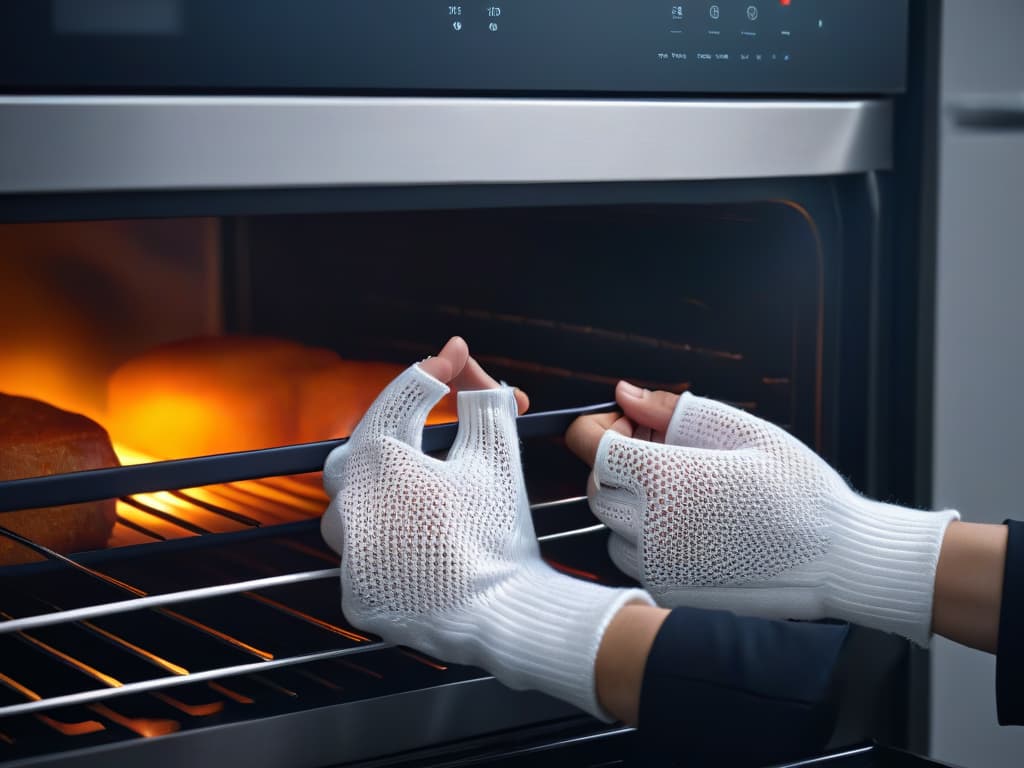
x=714, y=12
x=752, y=12
x=457, y=26
x=677, y=12
x=493, y=26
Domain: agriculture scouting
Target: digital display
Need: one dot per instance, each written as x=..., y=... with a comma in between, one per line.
x=478, y=46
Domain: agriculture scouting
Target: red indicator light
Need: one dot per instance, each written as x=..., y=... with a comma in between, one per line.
x=785, y=2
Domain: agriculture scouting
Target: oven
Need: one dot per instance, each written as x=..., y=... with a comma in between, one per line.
x=225, y=226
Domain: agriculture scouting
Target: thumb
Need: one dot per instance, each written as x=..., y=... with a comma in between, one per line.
x=645, y=408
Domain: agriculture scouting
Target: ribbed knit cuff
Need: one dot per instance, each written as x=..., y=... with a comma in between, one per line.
x=543, y=632
x=881, y=567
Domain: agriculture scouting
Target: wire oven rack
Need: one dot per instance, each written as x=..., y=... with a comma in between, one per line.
x=202, y=626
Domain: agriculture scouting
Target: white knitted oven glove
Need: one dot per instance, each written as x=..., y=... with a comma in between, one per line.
x=733, y=512
x=441, y=556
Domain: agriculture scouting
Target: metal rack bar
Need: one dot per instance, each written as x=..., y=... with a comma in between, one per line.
x=140, y=528
x=217, y=509
x=114, y=482
x=125, y=606
x=572, y=533
x=156, y=601
x=557, y=503
x=195, y=472
x=220, y=590
x=167, y=517
x=99, y=694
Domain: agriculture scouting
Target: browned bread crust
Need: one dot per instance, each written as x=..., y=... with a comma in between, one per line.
x=39, y=439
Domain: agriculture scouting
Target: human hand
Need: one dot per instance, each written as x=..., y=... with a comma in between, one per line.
x=733, y=512
x=442, y=556
x=455, y=367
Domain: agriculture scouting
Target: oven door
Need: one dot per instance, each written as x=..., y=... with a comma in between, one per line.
x=737, y=249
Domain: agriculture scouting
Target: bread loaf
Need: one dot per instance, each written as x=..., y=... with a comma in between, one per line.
x=234, y=393
x=39, y=439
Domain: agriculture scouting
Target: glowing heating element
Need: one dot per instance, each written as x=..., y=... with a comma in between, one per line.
x=192, y=710
x=146, y=727
x=163, y=515
x=64, y=728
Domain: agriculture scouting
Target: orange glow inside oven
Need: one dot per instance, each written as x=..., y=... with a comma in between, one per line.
x=182, y=425
x=119, y=321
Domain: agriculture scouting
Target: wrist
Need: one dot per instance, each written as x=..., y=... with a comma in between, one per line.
x=542, y=630
x=969, y=584
x=622, y=659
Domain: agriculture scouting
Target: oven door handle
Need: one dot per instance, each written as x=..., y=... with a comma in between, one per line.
x=989, y=111
x=114, y=482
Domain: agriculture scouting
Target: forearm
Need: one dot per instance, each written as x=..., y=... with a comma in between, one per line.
x=969, y=584
x=622, y=658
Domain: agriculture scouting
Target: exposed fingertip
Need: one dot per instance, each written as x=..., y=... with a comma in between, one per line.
x=653, y=410
x=456, y=352
x=522, y=400
x=631, y=391
x=455, y=343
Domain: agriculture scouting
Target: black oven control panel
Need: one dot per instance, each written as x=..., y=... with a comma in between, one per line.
x=459, y=46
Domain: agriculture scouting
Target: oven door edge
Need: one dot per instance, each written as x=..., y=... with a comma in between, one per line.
x=75, y=144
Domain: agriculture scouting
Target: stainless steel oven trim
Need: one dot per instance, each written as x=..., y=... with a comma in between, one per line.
x=335, y=734
x=65, y=144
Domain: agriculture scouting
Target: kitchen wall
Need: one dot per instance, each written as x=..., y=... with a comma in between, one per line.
x=979, y=372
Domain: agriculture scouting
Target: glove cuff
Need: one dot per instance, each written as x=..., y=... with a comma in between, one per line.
x=882, y=565
x=543, y=632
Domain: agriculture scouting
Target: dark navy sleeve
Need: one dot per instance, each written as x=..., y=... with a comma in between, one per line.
x=722, y=689
x=1010, y=652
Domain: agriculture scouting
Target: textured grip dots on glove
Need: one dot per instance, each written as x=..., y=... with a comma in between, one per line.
x=441, y=555
x=734, y=512
x=400, y=547
x=419, y=531
x=701, y=423
x=709, y=518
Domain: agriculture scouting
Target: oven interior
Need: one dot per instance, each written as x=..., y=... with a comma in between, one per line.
x=728, y=300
